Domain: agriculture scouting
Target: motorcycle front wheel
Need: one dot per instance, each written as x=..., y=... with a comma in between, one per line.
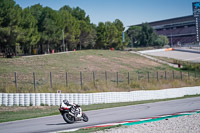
x=85, y=118
x=68, y=118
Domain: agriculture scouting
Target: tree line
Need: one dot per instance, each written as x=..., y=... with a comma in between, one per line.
x=145, y=36
x=44, y=29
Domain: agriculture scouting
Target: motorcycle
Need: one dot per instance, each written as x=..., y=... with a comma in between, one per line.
x=72, y=113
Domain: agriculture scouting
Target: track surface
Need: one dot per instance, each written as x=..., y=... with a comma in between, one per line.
x=118, y=114
x=186, y=56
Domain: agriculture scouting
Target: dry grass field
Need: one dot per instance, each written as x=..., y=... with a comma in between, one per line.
x=95, y=65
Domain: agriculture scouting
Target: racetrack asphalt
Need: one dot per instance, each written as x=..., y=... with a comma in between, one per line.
x=111, y=115
x=180, y=55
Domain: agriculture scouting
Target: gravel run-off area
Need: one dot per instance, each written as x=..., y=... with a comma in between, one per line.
x=182, y=124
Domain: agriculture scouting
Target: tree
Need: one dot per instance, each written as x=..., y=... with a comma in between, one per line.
x=161, y=41
x=66, y=8
x=112, y=35
x=148, y=35
x=10, y=16
x=120, y=27
x=85, y=31
x=49, y=28
x=71, y=28
x=80, y=14
x=36, y=11
x=144, y=36
x=28, y=36
x=92, y=37
x=43, y=28
x=134, y=35
x=101, y=36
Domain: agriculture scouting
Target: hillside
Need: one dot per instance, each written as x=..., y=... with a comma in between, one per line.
x=87, y=62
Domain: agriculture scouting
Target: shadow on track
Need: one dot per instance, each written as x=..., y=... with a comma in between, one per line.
x=57, y=124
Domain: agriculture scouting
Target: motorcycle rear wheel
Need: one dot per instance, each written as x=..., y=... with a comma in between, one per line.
x=68, y=118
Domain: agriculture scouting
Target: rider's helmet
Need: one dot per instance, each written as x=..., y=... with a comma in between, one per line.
x=65, y=101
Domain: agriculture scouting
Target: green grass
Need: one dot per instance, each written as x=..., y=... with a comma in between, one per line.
x=20, y=113
x=186, y=65
x=94, y=129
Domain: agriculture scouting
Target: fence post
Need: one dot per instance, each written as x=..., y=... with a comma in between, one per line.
x=173, y=74
x=128, y=78
x=106, y=77
x=181, y=75
x=34, y=83
x=81, y=80
x=66, y=79
x=195, y=74
x=117, y=79
x=51, y=80
x=148, y=76
x=157, y=75
x=16, y=80
x=138, y=75
x=165, y=75
x=94, y=79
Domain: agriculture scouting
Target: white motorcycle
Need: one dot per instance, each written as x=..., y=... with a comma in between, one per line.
x=72, y=112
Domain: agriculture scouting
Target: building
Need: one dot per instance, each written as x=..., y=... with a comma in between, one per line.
x=181, y=30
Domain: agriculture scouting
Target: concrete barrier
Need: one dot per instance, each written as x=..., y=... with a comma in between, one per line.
x=52, y=99
x=16, y=99
x=5, y=99
x=21, y=99
x=27, y=99
x=36, y=99
x=10, y=99
x=151, y=51
x=32, y=99
x=42, y=98
x=1, y=99
x=47, y=99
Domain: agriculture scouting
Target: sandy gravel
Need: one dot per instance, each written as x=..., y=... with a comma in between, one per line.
x=183, y=124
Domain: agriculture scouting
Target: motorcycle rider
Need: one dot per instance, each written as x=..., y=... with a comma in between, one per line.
x=66, y=102
x=73, y=107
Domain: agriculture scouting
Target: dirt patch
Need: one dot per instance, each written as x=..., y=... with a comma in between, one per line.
x=93, y=58
x=137, y=62
x=115, y=64
x=93, y=62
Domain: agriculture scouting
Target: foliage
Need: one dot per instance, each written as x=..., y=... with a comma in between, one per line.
x=145, y=36
x=43, y=28
x=9, y=24
x=161, y=41
x=28, y=36
x=192, y=66
x=134, y=35
x=109, y=35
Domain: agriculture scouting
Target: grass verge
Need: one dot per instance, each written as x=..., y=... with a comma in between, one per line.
x=19, y=113
x=93, y=129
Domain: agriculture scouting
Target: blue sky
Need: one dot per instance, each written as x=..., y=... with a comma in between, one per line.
x=130, y=12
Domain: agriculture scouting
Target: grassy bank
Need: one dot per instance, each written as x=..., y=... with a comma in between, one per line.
x=104, y=63
x=19, y=113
